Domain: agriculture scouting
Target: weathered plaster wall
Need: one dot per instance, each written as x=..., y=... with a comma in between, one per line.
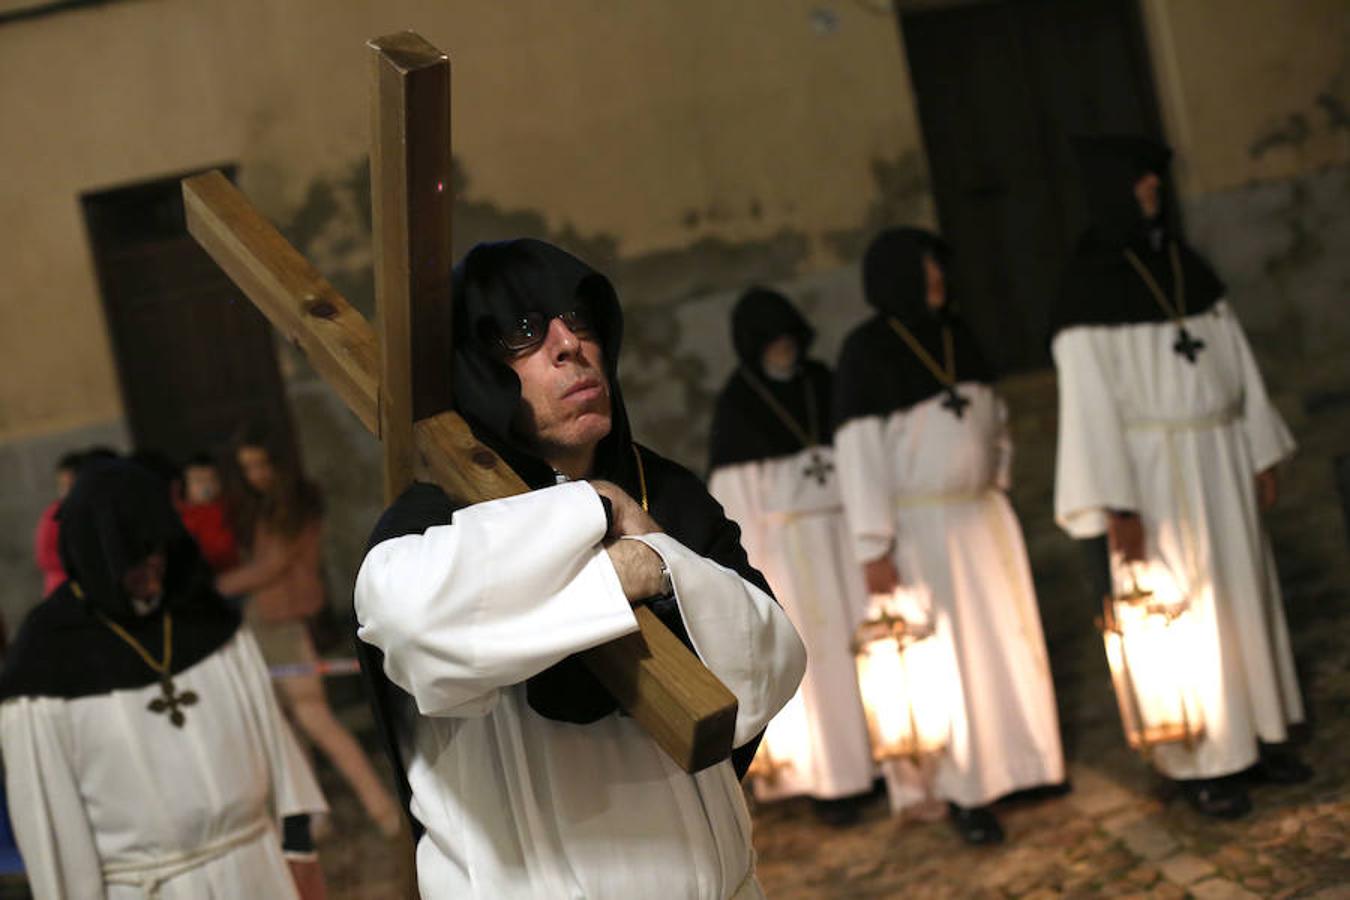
x=686, y=148
x=1252, y=91
x=647, y=127
x=1256, y=99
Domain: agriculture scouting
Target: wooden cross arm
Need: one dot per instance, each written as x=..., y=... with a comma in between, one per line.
x=654, y=677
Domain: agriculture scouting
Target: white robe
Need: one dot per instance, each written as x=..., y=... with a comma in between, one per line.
x=517, y=805
x=100, y=785
x=792, y=528
x=1143, y=429
x=929, y=488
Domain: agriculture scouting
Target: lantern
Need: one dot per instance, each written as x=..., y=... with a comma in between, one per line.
x=1150, y=648
x=785, y=749
x=904, y=685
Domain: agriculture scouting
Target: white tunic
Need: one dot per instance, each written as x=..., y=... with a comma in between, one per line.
x=792, y=528
x=109, y=800
x=1143, y=429
x=929, y=488
x=517, y=805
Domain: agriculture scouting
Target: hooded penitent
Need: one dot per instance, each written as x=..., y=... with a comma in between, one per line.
x=745, y=427
x=878, y=373
x=116, y=515
x=1100, y=285
x=493, y=286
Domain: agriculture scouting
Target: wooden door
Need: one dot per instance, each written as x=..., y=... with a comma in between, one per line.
x=1001, y=88
x=195, y=359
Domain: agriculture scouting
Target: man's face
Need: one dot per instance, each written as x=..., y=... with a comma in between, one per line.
x=65, y=480
x=935, y=283
x=1146, y=192
x=144, y=582
x=565, y=404
x=780, y=355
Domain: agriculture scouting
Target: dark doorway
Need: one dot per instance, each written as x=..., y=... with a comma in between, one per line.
x=194, y=358
x=1001, y=87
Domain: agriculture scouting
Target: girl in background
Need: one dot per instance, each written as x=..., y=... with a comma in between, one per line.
x=279, y=522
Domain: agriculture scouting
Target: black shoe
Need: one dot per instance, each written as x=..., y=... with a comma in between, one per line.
x=1280, y=765
x=1216, y=797
x=838, y=813
x=976, y=824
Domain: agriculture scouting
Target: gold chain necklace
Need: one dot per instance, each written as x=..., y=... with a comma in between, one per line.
x=642, y=476
x=1185, y=345
x=945, y=374
x=818, y=468
x=170, y=700
x=808, y=436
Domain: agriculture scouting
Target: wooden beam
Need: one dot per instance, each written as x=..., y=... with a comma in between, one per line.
x=410, y=201
x=655, y=678
x=303, y=306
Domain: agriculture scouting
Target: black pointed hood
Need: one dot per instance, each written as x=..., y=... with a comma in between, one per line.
x=117, y=513
x=745, y=428
x=1100, y=286
x=761, y=316
x=1110, y=165
x=493, y=286
x=894, y=282
x=878, y=374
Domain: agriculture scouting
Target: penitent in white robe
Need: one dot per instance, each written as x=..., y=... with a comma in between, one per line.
x=792, y=528
x=1143, y=429
x=109, y=800
x=517, y=805
x=929, y=488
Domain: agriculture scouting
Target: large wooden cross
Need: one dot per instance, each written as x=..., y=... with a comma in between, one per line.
x=398, y=384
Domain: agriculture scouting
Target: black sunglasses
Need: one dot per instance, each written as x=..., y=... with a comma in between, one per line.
x=528, y=331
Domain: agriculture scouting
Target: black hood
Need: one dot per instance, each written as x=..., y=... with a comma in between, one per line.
x=878, y=374
x=745, y=427
x=493, y=286
x=761, y=316
x=1100, y=285
x=117, y=513
x=1110, y=165
x=894, y=282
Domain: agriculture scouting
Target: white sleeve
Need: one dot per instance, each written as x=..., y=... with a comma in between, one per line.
x=737, y=489
x=1267, y=435
x=504, y=591
x=1093, y=472
x=865, y=486
x=45, y=805
x=295, y=791
x=739, y=632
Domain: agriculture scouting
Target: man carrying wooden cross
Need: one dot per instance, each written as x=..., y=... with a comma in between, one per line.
x=522, y=774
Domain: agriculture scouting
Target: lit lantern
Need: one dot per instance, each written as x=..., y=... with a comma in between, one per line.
x=785, y=749
x=904, y=686
x=1150, y=648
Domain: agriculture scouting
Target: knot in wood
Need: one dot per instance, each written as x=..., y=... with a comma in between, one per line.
x=484, y=458
x=319, y=307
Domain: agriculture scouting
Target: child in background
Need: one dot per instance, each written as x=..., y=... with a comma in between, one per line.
x=204, y=514
x=48, y=530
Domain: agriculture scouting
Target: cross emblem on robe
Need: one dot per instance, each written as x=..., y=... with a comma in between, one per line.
x=955, y=402
x=819, y=468
x=398, y=384
x=171, y=702
x=1187, y=346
